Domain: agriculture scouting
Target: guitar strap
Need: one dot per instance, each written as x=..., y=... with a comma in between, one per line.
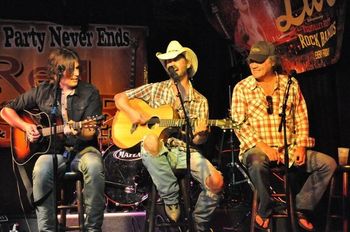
x=27, y=183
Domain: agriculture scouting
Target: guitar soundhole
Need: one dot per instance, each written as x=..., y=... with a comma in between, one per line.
x=153, y=121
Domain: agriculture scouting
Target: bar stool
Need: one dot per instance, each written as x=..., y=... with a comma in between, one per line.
x=63, y=204
x=344, y=216
x=278, y=172
x=185, y=221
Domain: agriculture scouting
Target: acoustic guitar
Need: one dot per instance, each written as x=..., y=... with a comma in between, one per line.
x=126, y=135
x=23, y=150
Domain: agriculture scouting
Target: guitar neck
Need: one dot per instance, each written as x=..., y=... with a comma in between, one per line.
x=181, y=122
x=59, y=129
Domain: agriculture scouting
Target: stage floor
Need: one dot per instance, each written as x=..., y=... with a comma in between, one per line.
x=223, y=220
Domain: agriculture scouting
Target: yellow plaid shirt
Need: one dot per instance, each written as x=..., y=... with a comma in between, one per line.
x=161, y=93
x=249, y=103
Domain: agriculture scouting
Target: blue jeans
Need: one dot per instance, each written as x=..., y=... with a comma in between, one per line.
x=160, y=169
x=320, y=167
x=90, y=163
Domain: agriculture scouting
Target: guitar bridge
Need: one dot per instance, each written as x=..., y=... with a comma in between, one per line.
x=133, y=128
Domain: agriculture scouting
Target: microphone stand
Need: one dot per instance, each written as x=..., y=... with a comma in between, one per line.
x=189, y=137
x=53, y=137
x=282, y=125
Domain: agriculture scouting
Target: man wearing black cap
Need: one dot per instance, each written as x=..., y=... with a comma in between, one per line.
x=257, y=102
x=161, y=155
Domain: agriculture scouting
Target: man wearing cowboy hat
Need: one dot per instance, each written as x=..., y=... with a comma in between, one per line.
x=161, y=156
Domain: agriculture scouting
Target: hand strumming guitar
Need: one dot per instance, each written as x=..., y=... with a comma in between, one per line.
x=122, y=103
x=137, y=117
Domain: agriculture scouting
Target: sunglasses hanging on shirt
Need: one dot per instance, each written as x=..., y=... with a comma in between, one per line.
x=269, y=104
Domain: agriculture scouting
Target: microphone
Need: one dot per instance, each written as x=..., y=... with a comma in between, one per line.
x=173, y=74
x=292, y=73
x=59, y=74
x=61, y=68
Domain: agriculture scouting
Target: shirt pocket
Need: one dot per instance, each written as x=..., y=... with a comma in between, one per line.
x=159, y=101
x=78, y=111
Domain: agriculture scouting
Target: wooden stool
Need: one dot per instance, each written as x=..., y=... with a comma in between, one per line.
x=279, y=172
x=63, y=204
x=344, y=171
x=185, y=221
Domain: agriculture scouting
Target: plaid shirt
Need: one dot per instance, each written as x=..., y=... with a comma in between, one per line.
x=249, y=103
x=161, y=93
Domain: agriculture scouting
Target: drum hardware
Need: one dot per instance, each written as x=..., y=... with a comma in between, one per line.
x=235, y=192
x=234, y=169
x=118, y=185
x=107, y=122
x=234, y=149
x=104, y=137
x=127, y=188
x=130, y=189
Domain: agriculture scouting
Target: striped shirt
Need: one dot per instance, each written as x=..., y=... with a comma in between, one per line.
x=249, y=103
x=161, y=93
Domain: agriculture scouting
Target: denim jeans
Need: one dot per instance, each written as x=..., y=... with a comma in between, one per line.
x=90, y=163
x=320, y=167
x=160, y=169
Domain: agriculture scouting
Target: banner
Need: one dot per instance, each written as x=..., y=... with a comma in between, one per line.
x=308, y=34
x=113, y=58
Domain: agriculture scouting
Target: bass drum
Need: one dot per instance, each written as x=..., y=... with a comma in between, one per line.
x=127, y=180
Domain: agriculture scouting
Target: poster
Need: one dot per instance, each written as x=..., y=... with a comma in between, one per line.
x=308, y=34
x=113, y=58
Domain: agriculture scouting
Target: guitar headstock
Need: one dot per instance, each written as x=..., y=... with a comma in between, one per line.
x=93, y=122
x=224, y=124
x=227, y=124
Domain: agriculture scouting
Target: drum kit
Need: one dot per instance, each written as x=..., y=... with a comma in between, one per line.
x=127, y=180
x=128, y=183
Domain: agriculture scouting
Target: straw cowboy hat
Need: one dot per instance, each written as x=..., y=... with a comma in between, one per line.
x=173, y=50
